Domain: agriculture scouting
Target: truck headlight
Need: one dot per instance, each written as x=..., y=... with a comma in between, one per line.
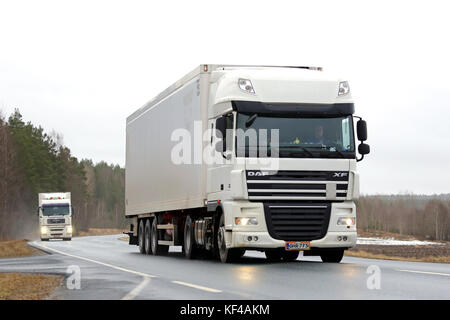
x=69, y=229
x=346, y=221
x=246, y=85
x=44, y=229
x=244, y=221
x=344, y=88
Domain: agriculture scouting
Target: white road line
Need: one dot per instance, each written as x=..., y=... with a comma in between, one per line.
x=133, y=293
x=197, y=286
x=426, y=272
x=97, y=262
x=136, y=291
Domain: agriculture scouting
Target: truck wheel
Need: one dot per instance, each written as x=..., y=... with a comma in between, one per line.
x=44, y=239
x=226, y=255
x=189, y=246
x=334, y=256
x=290, y=255
x=67, y=239
x=141, y=237
x=147, y=237
x=157, y=249
x=273, y=255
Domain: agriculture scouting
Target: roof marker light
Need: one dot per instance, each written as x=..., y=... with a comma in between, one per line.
x=246, y=85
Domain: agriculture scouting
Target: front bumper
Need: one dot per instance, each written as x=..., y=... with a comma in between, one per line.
x=56, y=232
x=239, y=236
x=241, y=240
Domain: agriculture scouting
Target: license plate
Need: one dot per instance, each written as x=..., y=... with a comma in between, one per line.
x=297, y=245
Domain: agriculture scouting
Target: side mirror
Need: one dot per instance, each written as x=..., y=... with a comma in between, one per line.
x=38, y=210
x=364, y=149
x=361, y=130
x=221, y=126
x=221, y=147
x=73, y=211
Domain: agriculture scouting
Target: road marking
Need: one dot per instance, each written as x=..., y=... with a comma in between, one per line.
x=133, y=293
x=426, y=272
x=197, y=286
x=136, y=291
x=97, y=262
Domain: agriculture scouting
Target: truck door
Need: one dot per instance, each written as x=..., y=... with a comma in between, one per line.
x=219, y=171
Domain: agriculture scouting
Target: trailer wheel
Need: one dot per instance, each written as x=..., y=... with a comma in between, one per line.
x=157, y=249
x=141, y=237
x=226, y=255
x=334, y=256
x=147, y=237
x=290, y=255
x=189, y=246
x=273, y=255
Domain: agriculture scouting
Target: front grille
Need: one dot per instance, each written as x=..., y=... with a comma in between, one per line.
x=297, y=185
x=53, y=221
x=56, y=230
x=297, y=222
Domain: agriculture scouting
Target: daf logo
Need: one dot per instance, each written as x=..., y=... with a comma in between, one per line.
x=340, y=174
x=257, y=173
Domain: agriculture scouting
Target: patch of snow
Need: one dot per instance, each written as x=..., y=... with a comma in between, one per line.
x=393, y=242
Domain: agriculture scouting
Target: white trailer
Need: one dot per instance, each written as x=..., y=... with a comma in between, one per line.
x=55, y=213
x=297, y=196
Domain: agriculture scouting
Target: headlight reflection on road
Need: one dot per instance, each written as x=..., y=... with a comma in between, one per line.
x=349, y=271
x=247, y=273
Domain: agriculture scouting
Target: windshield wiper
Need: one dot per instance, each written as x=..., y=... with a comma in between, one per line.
x=250, y=120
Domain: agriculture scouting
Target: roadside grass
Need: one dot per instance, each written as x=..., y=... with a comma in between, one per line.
x=17, y=248
x=16, y=286
x=386, y=235
x=395, y=236
x=439, y=253
x=390, y=256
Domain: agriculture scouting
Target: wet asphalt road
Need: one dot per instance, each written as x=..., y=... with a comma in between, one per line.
x=111, y=269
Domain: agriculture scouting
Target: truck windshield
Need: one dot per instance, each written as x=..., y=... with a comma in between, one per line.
x=55, y=209
x=299, y=137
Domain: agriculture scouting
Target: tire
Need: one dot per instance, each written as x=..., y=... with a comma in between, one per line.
x=226, y=255
x=273, y=255
x=141, y=237
x=289, y=256
x=147, y=237
x=44, y=239
x=67, y=239
x=190, y=247
x=334, y=256
x=157, y=249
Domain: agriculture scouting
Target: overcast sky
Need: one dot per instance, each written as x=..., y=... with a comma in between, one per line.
x=82, y=67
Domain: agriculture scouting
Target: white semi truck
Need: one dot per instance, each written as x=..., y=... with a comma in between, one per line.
x=282, y=178
x=55, y=216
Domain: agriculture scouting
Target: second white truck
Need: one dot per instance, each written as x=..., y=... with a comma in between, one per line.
x=55, y=213
x=282, y=178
